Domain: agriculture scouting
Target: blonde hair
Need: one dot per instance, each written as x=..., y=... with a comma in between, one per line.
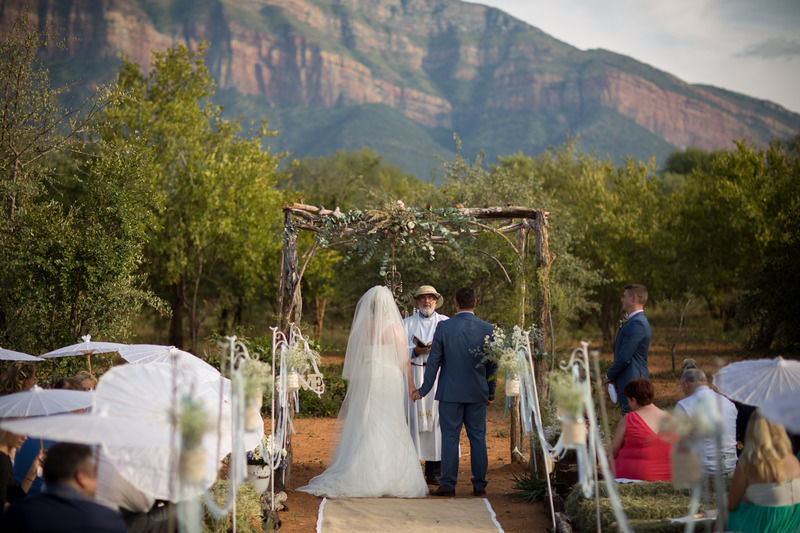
x=84, y=375
x=765, y=444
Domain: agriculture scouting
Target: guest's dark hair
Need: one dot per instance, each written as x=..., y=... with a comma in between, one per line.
x=639, y=290
x=64, y=460
x=641, y=390
x=465, y=298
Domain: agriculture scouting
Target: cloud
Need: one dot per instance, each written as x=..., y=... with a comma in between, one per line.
x=772, y=48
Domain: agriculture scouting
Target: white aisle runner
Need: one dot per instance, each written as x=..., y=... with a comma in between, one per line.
x=390, y=515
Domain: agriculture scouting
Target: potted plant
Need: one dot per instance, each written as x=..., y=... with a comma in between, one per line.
x=257, y=470
x=192, y=424
x=298, y=358
x=257, y=381
x=567, y=395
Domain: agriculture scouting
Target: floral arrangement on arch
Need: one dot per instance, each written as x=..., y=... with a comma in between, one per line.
x=395, y=226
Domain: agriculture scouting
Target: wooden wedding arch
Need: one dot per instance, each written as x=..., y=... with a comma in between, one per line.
x=506, y=222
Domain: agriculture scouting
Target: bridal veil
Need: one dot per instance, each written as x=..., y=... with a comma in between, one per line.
x=373, y=454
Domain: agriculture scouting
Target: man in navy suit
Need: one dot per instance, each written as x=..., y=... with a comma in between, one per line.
x=66, y=504
x=632, y=343
x=464, y=391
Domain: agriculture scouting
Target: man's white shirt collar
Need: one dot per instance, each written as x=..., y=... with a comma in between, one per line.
x=634, y=314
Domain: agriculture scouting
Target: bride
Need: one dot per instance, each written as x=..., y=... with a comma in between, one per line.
x=375, y=455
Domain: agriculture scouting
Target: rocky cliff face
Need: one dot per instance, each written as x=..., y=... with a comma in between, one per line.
x=441, y=63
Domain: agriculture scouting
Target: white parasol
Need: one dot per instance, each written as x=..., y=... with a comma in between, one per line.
x=11, y=355
x=151, y=391
x=100, y=428
x=87, y=348
x=38, y=401
x=754, y=382
x=184, y=361
x=782, y=409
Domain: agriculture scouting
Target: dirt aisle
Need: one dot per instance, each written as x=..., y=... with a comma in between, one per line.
x=311, y=445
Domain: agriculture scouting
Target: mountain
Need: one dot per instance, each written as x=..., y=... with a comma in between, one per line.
x=401, y=76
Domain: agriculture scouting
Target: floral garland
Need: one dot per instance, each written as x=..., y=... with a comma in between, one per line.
x=395, y=226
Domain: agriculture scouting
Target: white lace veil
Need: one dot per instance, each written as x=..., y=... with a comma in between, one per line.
x=376, y=323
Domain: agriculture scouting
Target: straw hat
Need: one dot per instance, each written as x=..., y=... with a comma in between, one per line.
x=428, y=289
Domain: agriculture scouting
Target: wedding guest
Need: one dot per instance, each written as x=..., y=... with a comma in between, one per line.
x=764, y=495
x=19, y=376
x=464, y=391
x=632, y=343
x=66, y=504
x=699, y=396
x=374, y=455
x=424, y=414
x=32, y=448
x=10, y=490
x=87, y=381
x=639, y=452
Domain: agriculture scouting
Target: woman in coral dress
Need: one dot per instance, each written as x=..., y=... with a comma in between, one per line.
x=639, y=452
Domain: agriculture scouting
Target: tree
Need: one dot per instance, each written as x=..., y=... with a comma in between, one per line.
x=71, y=229
x=738, y=226
x=209, y=249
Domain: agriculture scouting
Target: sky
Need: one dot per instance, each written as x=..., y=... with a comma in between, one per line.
x=748, y=46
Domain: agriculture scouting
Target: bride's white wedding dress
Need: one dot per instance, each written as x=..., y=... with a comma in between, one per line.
x=375, y=455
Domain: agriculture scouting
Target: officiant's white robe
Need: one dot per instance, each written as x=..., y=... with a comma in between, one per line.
x=424, y=413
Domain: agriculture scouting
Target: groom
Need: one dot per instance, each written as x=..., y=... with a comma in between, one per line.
x=464, y=391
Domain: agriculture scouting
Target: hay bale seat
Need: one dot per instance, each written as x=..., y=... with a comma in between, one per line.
x=647, y=504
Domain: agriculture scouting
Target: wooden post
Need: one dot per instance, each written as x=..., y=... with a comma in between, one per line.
x=543, y=262
x=290, y=278
x=515, y=436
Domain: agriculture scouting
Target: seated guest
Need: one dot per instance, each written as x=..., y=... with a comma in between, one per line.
x=698, y=396
x=66, y=503
x=18, y=377
x=86, y=380
x=10, y=490
x=639, y=452
x=32, y=448
x=141, y=512
x=765, y=491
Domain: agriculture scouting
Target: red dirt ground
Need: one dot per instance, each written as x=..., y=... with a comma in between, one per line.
x=311, y=446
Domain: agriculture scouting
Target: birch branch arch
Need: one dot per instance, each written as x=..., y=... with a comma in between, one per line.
x=434, y=227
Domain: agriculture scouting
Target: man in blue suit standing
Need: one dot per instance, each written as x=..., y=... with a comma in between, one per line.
x=464, y=391
x=632, y=343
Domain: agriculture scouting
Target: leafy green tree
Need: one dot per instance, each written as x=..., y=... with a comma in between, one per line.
x=738, y=225
x=71, y=230
x=212, y=244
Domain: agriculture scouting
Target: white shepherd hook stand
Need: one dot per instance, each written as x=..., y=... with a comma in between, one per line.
x=578, y=365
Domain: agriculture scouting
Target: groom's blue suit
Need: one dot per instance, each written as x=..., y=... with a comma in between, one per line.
x=464, y=390
x=630, y=355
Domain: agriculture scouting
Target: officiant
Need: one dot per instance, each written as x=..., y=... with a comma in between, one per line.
x=424, y=414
